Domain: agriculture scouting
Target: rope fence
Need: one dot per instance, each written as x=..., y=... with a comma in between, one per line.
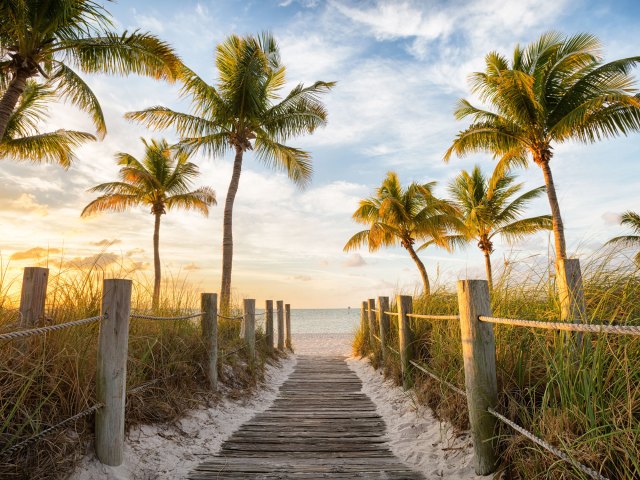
x=433, y=317
x=49, y=328
x=566, y=326
x=547, y=446
x=392, y=313
x=424, y=369
x=141, y=316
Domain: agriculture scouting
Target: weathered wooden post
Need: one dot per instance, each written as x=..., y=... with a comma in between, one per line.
x=33, y=296
x=383, y=307
x=249, y=311
x=405, y=307
x=364, y=323
x=571, y=295
x=111, y=370
x=479, y=354
x=209, y=306
x=371, y=306
x=287, y=322
x=268, y=308
x=280, y=315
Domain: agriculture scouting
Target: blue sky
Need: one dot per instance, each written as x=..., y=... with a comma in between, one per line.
x=400, y=66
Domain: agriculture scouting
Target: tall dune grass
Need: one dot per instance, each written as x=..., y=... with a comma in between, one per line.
x=55, y=378
x=588, y=407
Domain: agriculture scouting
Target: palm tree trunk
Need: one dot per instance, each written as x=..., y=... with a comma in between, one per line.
x=156, y=262
x=227, y=235
x=558, y=227
x=423, y=271
x=487, y=266
x=10, y=98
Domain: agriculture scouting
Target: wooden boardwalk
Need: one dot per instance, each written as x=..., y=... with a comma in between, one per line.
x=320, y=426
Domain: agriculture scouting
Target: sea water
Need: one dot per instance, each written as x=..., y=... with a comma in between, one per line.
x=329, y=320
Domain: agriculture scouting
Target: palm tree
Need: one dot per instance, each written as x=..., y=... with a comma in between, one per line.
x=22, y=139
x=401, y=216
x=554, y=90
x=487, y=208
x=630, y=219
x=245, y=111
x=53, y=38
x=162, y=181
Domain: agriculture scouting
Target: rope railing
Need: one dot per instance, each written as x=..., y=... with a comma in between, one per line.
x=433, y=317
x=424, y=369
x=49, y=328
x=566, y=326
x=51, y=429
x=392, y=313
x=547, y=446
x=142, y=316
x=224, y=317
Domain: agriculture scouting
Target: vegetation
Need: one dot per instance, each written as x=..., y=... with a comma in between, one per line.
x=556, y=89
x=486, y=208
x=245, y=111
x=56, y=378
x=22, y=138
x=630, y=219
x=401, y=216
x=589, y=408
x=51, y=39
x=161, y=181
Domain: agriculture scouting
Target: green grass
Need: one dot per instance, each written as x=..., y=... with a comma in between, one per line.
x=55, y=379
x=588, y=407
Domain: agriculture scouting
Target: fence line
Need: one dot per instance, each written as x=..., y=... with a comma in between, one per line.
x=434, y=317
x=424, y=369
x=49, y=328
x=181, y=317
x=565, y=326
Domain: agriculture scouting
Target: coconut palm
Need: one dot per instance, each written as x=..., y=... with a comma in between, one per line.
x=55, y=38
x=245, y=111
x=402, y=216
x=489, y=207
x=554, y=90
x=161, y=181
x=629, y=219
x=22, y=138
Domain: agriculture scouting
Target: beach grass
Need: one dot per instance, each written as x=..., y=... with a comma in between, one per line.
x=587, y=406
x=46, y=379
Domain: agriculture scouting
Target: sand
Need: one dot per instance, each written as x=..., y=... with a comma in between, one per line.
x=166, y=452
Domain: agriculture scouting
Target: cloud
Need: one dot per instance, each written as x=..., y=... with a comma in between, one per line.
x=36, y=252
x=134, y=251
x=354, y=260
x=303, y=278
x=106, y=242
x=611, y=218
x=27, y=203
x=191, y=267
x=100, y=260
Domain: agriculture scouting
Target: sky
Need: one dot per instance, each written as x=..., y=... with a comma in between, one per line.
x=400, y=67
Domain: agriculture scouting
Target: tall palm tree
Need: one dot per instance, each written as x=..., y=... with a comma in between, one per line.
x=22, y=138
x=245, y=111
x=57, y=37
x=487, y=208
x=554, y=90
x=401, y=216
x=629, y=219
x=161, y=181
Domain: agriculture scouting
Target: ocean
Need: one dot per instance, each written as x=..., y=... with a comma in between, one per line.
x=329, y=320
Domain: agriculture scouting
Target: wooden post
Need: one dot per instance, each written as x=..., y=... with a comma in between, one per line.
x=371, y=306
x=287, y=322
x=209, y=305
x=479, y=354
x=250, y=326
x=571, y=295
x=111, y=370
x=269, y=324
x=364, y=322
x=383, y=306
x=280, y=315
x=405, y=307
x=33, y=296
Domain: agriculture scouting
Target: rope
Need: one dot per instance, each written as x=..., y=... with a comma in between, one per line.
x=232, y=352
x=434, y=317
x=547, y=446
x=435, y=377
x=393, y=349
x=377, y=337
x=53, y=428
x=50, y=328
x=374, y=310
x=151, y=317
x=574, y=327
x=392, y=313
x=230, y=318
